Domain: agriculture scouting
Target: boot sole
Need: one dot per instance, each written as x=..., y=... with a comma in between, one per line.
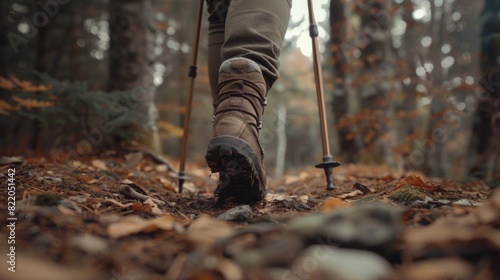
x=241, y=176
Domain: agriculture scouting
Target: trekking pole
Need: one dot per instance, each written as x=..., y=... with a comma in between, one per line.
x=328, y=164
x=189, y=101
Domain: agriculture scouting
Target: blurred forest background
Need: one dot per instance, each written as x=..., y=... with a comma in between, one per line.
x=410, y=84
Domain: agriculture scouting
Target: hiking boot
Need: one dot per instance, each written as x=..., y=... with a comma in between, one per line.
x=234, y=150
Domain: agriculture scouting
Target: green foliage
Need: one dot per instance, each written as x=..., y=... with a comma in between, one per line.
x=70, y=111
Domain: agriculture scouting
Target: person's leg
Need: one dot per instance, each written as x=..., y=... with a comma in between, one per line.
x=217, y=10
x=254, y=31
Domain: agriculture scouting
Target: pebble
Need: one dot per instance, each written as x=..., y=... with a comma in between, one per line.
x=327, y=262
x=241, y=213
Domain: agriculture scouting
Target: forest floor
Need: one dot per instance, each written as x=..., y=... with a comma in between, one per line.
x=118, y=216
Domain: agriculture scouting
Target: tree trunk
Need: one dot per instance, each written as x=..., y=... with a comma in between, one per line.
x=486, y=128
x=378, y=86
x=438, y=130
x=4, y=41
x=132, y=34
x=341, y=69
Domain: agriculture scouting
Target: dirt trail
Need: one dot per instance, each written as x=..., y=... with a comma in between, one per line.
x=119, y=217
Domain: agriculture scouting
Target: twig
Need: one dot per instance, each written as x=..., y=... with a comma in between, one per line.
x=88, y=209
x=128, y=191
x=113, y=201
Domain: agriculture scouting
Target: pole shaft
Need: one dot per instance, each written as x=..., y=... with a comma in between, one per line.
x=319, y=83
x=192, y=75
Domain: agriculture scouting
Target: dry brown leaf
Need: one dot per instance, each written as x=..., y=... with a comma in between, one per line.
x=229, y=269
x=352, y=194
x=86, y=179
x=205, y=230
x=190, y=187
x=270, y=197
x=161, y=168
x=133, y=159
x=449, y=268
x=99, y=164
x=154, y=208
x=332, y=203
x=166, y=183
x=417, y=182
x=133, y=224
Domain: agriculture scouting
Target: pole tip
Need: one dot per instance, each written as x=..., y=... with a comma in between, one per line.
x=181, y=182
x=328, y=164
x=182, y=178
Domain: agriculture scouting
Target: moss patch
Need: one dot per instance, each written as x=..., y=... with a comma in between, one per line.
x=407, y=195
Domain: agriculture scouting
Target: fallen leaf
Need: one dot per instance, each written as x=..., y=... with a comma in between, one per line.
x=154, y=208
x=290, y=180
x=270, y=197
x=205, y=230
x=166, y=183
x=417, y=182
x=133, y=159
x=86, y=179
x=11, y=160
x=351, y=194
x=229, y=269
x=332, y=203
x=161, y=168
x=449, y=268
x=133, y=224
x=135, y=186
x=190, y=187
x=99, y=164
x=77, y=164
x=89, y=243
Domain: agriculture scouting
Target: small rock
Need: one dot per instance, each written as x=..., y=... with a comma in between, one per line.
x=89, y=243
x=281, y=189
x=360, y=227
x=463, y=202
x=241, y=213
x=70, y=205
x=274, y=250
x=55, y=180
x=364, y=189
x=327, y=262
x=79, y=198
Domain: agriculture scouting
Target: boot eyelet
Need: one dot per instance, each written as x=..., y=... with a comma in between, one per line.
x=264, y=102
x=213, y=120
x=259, y=125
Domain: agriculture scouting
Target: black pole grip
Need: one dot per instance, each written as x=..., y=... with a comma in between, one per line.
x=192, y=71
x=313, y=30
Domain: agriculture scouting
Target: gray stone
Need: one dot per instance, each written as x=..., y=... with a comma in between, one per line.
x=363, y=227
x=327, y=262
x=241, y=213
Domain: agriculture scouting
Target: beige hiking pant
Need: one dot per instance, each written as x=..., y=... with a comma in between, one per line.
x=253, y=29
